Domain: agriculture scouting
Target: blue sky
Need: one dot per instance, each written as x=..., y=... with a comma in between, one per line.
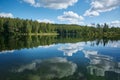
x=82, y=12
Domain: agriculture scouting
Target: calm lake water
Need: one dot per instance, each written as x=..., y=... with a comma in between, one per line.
x=59, y=58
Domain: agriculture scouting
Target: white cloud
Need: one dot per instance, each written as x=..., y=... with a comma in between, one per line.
x=45, y=20
x=6, y=15
x=7, y=51
x=88, y=53
x=71, y=48
x=69, y=51
x=32, y=2
x=115, y=23
x=100, y=63
x=54, y=4
x=113, y=44
x=46, y=46
x=71, y=17
x=50, y=67
x=98, y=6
x=91, y=13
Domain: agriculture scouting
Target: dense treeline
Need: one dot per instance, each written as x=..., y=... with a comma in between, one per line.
x=20, y=26
x=17, y=26
x=85, y=30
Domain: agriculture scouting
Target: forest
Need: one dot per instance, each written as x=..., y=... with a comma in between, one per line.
x=16, y=26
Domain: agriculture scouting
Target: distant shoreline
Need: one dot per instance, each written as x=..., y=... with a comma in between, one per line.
x=16, y=26
x=39, y=34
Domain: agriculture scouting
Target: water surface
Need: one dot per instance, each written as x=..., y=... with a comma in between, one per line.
x=58, y=58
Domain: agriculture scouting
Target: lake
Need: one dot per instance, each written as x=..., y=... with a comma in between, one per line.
x=59, y=58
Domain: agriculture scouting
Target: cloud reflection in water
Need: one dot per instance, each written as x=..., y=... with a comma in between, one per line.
x=71, y=48
x=47, y=69
x=99, y=64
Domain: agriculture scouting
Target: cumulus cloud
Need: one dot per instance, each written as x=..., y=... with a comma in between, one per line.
x=96, y=58
x=98, y=6
x=99, y=63
x=6, y=15
x=71, y=17
x=88, y=53
x=45, y=21
x=46, y=46
x=54, y=4
x=115, y=23
x=7, y=51
x=32, y=2
x=71, y=48
x=113, y=44
x=49, y=68
x=91, y=13
x=69, y=51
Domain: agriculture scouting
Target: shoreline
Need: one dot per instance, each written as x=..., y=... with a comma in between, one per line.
x=44, y=34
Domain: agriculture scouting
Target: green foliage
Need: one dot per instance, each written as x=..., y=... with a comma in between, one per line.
x=19, y=26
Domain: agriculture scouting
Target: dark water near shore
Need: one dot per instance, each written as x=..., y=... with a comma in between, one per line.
x=59, y=58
